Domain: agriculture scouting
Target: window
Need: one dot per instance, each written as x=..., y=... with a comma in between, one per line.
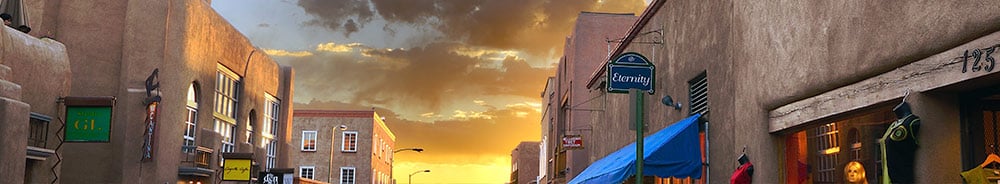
x=350, y=142
x=38, y=130
x=226, y=130
x=226, y=86
x=822, y=152
x=308, y=140
x=272, y=152
x=191, y=121
x=272, y=110
x=698, y=91
x=307, y=172
x=250, y=124
x=347, y=175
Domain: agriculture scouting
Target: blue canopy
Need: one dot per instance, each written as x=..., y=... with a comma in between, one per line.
x=674, y=151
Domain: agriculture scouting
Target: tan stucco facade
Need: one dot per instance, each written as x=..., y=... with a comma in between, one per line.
x=112, y=47
x=779, y=67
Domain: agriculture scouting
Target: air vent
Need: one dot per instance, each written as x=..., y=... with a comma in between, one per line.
x=698, y=91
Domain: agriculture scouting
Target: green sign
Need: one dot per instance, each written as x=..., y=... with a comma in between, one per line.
x=88, y=124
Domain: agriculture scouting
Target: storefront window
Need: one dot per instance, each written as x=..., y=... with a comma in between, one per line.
x=840, y=151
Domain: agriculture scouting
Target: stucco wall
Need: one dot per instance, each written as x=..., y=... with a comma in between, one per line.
x=186, y=40
x=761, y=55
x=40, y=68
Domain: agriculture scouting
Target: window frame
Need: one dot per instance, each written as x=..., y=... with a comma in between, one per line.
x=312, y=172
x=348, y=178
x=315, y=137
x=354, y=142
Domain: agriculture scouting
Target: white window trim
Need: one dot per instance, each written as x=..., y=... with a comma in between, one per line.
x=354, y=175
x=343, y=148
x=272, y=112
x=315, y=140
x=313, y=168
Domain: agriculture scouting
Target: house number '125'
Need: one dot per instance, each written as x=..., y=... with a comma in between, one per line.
x=982, y=59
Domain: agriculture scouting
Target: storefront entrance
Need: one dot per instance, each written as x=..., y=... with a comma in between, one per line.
x=980, y=127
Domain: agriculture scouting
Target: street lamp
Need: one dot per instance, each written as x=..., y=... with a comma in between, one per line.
x=411, y=175
x=418, y=150
x=392, y=158
x=333, y=132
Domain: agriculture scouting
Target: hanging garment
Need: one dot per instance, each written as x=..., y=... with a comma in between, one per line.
x=980, y=175
x=898, y=146
x=743, y=174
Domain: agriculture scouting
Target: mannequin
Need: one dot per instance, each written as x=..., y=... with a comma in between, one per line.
x=854, y=172
x=899, y=145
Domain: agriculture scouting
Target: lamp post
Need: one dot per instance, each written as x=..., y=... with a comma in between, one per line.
x=393, y=157
x=411, y=175
x=333, y=132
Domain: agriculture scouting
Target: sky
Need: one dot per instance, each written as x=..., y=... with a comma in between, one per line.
x=460, y=78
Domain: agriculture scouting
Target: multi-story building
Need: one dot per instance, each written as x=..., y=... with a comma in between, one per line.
x=341, y=146
x=809, y=89
x=34, y=75
x=592, y=37
x=181, y=85
x=545, y=159
x=524, y=163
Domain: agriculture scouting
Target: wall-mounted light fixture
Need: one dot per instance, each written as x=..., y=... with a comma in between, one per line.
x=670, y=102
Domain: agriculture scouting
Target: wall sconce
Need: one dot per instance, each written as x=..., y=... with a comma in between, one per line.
x=669, y=102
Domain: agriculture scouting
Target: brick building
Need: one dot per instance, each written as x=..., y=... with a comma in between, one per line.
x=524, y=163
x=339, y=146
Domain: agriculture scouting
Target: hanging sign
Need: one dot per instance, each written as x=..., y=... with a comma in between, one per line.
x=572, y=142
x=236, y=166
x=88, y=119
x=631, y=71
x=152, y=102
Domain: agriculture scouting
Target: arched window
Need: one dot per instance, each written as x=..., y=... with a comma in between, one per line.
x=191, y=121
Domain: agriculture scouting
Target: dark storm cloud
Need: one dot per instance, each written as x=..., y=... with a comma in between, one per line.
x=447, y=140
x=341, y=15
x=423, y=77
x=536, y=26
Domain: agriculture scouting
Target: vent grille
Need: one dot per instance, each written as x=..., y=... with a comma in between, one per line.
x=698, y=91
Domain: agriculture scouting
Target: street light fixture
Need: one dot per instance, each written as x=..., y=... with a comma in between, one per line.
x=418, y=150
x=329, y=176
x=411, y=175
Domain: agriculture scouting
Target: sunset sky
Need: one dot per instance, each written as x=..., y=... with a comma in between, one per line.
x=460, y=78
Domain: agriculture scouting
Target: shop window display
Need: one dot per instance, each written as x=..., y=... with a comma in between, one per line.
x=845, y=150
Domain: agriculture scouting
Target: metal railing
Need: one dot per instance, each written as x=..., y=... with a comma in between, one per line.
x=196, y=156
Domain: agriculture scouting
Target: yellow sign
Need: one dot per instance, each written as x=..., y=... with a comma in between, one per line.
x=236, y=170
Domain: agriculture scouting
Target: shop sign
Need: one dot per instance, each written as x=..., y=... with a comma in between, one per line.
x=274, y=177
x=88, y=124
x=631, y=71
x=572, y=142
x=236, y=169
x=152, y=102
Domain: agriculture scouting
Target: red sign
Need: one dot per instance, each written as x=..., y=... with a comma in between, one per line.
x=572, y=142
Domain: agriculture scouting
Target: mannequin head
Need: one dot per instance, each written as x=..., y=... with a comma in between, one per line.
x=902, y=110
x=855, y=173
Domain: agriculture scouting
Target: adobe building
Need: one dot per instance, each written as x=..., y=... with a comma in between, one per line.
x=34, y=75
x=338, y=146
x=184, y=87
x=524, y=163
x=593, y=35
x=808, y=90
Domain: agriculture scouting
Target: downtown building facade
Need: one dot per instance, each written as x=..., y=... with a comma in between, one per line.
x=181, y=86
x=564, y=115
x=524, y=163
x=342, y=146
x=807, y=90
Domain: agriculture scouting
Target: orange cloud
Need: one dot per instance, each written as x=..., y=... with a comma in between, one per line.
x=278, y=52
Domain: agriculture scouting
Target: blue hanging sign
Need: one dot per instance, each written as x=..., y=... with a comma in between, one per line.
x=631, y=71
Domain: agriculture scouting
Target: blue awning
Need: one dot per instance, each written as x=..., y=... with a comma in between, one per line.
x=674, y=151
